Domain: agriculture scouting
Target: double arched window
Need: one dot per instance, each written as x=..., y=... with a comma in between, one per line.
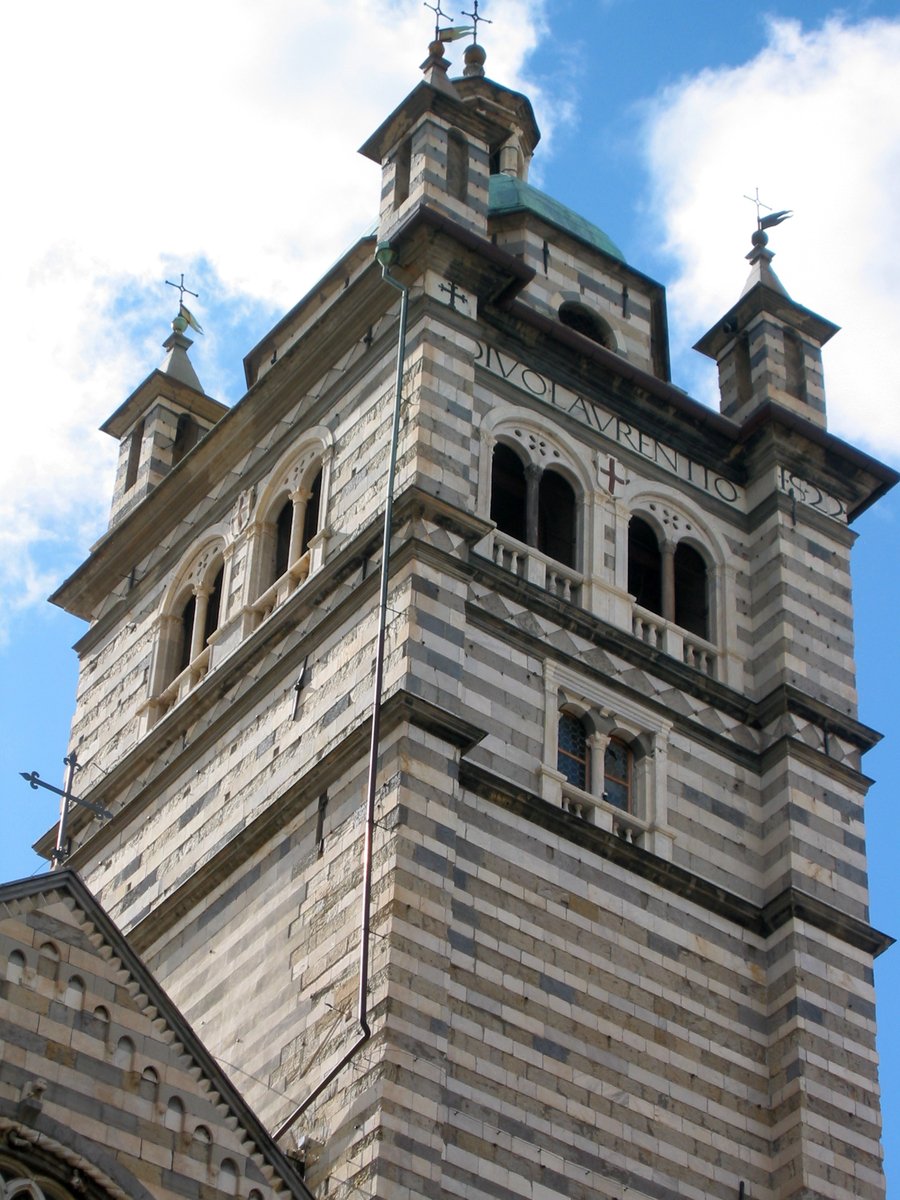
x=577, y=760
x=199, y=620
x=669, y=579
x=190, y=618
x=285, y=539
x=534, y=505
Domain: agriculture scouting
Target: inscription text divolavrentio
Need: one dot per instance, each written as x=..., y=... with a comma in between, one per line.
x=609, y=425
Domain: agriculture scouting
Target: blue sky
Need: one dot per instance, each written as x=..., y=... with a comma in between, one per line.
x=223, y=144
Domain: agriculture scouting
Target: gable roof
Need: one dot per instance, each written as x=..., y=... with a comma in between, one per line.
x=91, y=1105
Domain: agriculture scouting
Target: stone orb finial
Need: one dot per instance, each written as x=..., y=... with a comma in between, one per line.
x=474, y=57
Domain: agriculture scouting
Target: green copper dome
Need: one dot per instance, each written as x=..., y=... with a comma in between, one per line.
x=509, y=194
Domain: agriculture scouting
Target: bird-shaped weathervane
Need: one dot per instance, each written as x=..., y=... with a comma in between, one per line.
x=769, y=221
x=450, y=33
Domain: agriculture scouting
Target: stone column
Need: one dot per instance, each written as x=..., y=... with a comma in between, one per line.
x=201, y=595
x=532, y=483
x=667, y=552
x=298, y=499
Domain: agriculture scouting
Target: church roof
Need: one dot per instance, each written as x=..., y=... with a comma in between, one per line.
x=508, y=195
x=83, y=1101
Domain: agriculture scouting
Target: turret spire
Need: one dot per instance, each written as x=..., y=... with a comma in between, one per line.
x=176, y=364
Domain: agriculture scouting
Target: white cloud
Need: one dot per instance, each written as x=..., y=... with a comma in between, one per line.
x=814, y=122
x=219, y=142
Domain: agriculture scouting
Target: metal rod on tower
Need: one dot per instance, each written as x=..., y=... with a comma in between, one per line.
x=60, y=852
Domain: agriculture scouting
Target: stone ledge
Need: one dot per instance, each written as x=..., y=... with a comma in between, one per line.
x=791, y=904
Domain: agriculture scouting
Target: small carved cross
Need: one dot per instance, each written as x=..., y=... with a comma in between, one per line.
x=454, y=293
x=609, y=471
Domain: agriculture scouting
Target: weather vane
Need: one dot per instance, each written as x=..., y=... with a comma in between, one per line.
x=185, y=316
x=475, y=20
x=450, y=33
x=60, y=852
x=772, y=219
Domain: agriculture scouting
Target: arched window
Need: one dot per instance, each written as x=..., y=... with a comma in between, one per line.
x=15, y=966
x=287, y=538
x=228, y=1177
x=644, y=565
x=174, y=1118
x=691, y=590
x=135, y=442
x=186, y=636
x=201, y=1144
x=508, y=492
x=283, y=523
x=673, y=580
x=794, y=365
x=149, y=1084
x=312, y=512
x=73, y=997
x=585, y=321
x=198, y=621
x=573, y=751
x=123, y=1055
x=48, y=961
x=617, y=773
x=402, y=167
x=743, y=380
x=534, y=505
x=213, y=605
x=187, y=435
x=457, y=165
x=556, y=518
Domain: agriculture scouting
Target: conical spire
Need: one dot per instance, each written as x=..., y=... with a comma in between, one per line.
x=435, y=68
x=176, y=364
x=760, y=259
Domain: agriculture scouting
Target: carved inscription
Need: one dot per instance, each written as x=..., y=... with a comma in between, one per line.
x=807, y=493
x=608, y=425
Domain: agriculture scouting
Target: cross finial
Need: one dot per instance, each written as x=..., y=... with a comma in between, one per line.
x=449, y=33
x=475, y=20
x=438, y=13
x=182, y=289
x=769, y=221
x=185, y=317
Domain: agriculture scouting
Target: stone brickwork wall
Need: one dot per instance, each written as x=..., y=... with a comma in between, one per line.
x=95, y=1077
x=568, y=998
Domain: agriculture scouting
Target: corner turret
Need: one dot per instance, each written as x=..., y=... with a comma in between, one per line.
x=160, y=421
x=768, y=348
x=440, y=146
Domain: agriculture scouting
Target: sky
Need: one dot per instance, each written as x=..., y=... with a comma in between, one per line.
x=140, y=143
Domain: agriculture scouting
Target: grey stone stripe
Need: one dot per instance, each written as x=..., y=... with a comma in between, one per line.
x=789, y=905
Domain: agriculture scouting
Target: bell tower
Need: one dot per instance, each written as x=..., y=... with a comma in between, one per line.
x=607, y=932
